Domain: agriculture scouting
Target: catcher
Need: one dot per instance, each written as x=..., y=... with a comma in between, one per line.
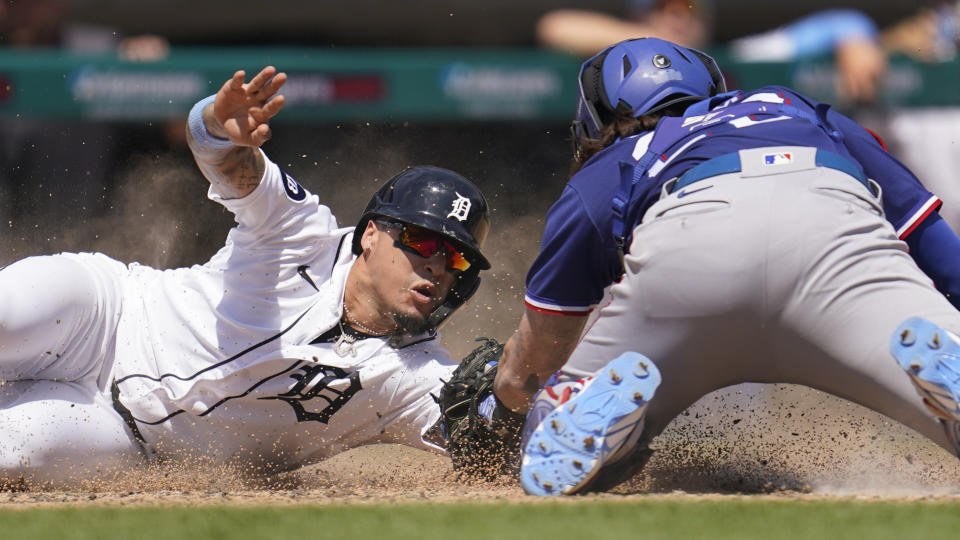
x=722, y=237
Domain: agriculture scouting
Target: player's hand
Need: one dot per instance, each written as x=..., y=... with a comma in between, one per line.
x=241, y=111
x=861, y=65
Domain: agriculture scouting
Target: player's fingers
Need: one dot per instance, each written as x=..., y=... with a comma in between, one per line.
x=261, y=135
x=272, y=107
x=236, y=82
x=859, y=88
x=261, y=115
x=273, y=85
x=258, y=81
x=847, y=88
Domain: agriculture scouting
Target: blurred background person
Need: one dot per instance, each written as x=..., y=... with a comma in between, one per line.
x=73, y=164
x=585, y=32
x=929, y=35
x=849, y=34
x=45, y=23
x=858, y=46
x=925, y=138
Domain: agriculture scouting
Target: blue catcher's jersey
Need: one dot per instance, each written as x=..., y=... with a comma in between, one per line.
x=579, y=254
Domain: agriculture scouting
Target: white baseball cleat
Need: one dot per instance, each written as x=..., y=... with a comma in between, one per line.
x=931, y=356
x=574, y=441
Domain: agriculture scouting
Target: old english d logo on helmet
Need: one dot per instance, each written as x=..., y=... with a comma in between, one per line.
x=437, y=199
x=461, y=208
x=444, y=202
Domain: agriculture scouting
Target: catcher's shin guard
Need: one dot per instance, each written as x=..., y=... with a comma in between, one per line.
x=594, y=428
x=931, y=356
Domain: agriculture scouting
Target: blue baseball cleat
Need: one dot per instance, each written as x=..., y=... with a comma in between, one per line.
x=931, y=356
x=574, y=441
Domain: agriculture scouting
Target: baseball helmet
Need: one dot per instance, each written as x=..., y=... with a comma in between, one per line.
x=641, y=76
x=444, y=202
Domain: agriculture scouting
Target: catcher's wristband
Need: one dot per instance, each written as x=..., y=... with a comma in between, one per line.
x=202, y=138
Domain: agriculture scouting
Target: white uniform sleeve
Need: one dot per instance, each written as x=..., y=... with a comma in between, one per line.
x=414, y=411
x=279, y=213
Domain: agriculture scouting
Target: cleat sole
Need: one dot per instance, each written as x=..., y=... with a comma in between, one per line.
x=595, y=424
x=932, y=360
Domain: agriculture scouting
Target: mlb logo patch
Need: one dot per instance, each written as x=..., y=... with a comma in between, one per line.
x=780, y=158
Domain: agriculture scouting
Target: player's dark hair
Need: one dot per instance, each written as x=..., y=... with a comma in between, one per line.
x=623, y=125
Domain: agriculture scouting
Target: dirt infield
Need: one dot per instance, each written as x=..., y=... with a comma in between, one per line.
x=780, y=441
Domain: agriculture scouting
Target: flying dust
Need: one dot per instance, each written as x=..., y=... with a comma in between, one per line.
x=745, y=439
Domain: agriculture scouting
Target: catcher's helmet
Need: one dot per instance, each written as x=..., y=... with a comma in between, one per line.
x=444, y=202
x=641, y=76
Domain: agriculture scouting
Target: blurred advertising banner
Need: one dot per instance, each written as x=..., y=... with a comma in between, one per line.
x=323, y=84
x=330, y=84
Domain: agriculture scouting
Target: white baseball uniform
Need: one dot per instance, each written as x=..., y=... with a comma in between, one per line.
x=239, y=360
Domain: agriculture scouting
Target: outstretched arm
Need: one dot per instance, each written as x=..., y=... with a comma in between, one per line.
x=539, y=347
x=585, y=33
x=226, y=131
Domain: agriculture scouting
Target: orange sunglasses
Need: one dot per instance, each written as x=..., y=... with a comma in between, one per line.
x=426, y=243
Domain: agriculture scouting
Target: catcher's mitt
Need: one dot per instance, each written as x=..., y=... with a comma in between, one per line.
x=482, y=436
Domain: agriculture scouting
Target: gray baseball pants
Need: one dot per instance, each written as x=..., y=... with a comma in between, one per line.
x=788, y=278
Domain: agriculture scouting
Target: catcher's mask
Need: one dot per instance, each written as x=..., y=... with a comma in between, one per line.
x=640, y=76
x=446, y=203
